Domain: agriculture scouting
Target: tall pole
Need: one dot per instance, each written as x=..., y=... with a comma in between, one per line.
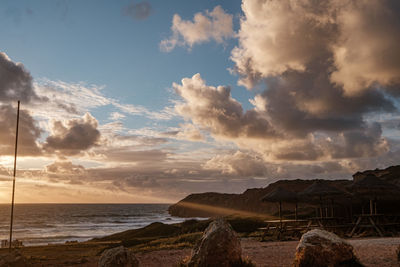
x=15, y=171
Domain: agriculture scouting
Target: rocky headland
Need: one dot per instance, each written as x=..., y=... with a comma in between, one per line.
x=249, y=202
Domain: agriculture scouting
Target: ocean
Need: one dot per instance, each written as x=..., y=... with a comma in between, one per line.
x=41, y=224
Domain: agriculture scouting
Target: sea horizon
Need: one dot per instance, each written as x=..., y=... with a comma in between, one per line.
x=57, y=223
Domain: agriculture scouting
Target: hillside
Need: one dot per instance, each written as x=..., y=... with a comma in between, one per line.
x=249, y=202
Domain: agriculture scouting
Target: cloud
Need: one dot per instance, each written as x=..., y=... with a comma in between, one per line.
x=129, y=154
x=302, y=116
x=300, y=103
x=239, y=164
x=186, y=131
x=367, y=51
x=74, y=136
x=358, y=38
x=215, y=25
x=65, y=167
x=79, y=98
x=361, y=143
x=214, y=109
x=276, y=36
x=290, y=47
x=139, y=11
x=116, y=116
x=29, y=132
x=15, y=81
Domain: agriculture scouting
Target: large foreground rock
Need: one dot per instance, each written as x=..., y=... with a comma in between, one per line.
x=13, y=259
x=319, y=248
x=119, y=256
x=219, y=246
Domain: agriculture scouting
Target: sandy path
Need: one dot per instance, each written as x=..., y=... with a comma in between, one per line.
x=372, y=252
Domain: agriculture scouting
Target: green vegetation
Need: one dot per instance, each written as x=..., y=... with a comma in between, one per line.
x=180, y=241
x=166, y=236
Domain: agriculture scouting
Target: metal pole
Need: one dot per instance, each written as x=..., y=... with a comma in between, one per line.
x=15, y=171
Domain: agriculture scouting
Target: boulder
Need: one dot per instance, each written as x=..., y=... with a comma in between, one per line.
x=119, y=256
x=219, y=246
x=13, y=259
x=319, y=248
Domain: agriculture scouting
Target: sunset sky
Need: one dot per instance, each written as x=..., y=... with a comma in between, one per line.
x=149, y=101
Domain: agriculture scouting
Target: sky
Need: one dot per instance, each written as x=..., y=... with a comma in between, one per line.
x=148, y=101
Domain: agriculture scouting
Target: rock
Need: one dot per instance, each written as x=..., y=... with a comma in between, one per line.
x=13, y=259
x=219, y=246
x=119, y=256
x=398, y=253
x=319, y=248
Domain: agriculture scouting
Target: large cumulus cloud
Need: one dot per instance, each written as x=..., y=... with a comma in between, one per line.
x=327, y=67
x=358, y=38
x=214, y=108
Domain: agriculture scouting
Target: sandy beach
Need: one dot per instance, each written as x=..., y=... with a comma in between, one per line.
x=370, y=251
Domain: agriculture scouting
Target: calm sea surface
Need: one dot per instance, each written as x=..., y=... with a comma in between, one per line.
x=40, y=224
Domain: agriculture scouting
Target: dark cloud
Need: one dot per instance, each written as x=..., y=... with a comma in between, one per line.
x=303, y=102
x=29, y=132
x=76, y=136
x=360, y=143
x=307, y=151
x=15, y=81
x=138, y=11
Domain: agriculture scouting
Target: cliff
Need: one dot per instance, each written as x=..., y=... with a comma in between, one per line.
x=249, y=202
x=391, y=174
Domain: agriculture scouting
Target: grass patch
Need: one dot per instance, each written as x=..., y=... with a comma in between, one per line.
x=180, y=241
x=181, y=235
x=154, y=230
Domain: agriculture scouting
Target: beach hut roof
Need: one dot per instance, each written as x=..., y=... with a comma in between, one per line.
x=321, y=189
x=280, y=194
x=371, y=184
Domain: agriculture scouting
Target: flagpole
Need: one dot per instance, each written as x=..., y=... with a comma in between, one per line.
x=15, y=171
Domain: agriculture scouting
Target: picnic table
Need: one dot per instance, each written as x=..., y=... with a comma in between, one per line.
x=297, y=227
x=379, y=222
x=279, y=227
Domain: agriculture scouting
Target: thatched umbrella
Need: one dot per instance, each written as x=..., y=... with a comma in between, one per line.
x=280, y=195
x=372, y=187
x=319, y=190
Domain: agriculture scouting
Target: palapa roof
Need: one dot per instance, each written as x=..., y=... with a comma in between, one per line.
x=280, y=194
x=321, y=189
x=372, y=185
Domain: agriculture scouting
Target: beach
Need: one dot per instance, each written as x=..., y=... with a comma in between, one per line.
x=370, y=251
